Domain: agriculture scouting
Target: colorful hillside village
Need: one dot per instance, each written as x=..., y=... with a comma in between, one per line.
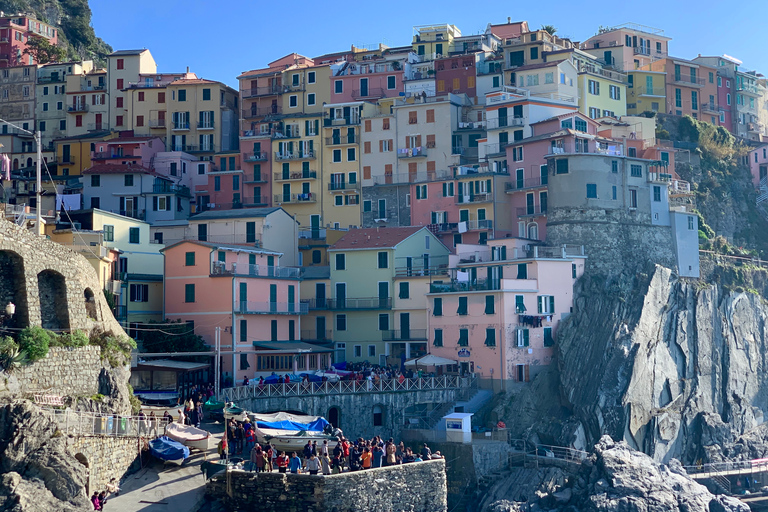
x=376, y=204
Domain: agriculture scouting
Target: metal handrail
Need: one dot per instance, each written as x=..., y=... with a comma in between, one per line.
x=75, y=423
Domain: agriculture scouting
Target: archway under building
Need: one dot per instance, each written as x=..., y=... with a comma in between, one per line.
x=13, y=288
x=54, y=309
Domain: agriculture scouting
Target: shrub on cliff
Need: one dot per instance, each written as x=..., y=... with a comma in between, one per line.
x=73, y=339
x=35, y=342
x=116, y=349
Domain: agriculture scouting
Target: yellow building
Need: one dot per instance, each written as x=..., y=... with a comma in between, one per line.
x=90, y=244
x=203, y=117
x=146, y=103
x=529, y=49
x=314, y=243
x=125, y=67
x=73, y=154
x=431, y=41
x=602, y=92
x=646, y=92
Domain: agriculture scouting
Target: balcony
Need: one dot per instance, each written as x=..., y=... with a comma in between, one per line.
x=77, y=108
x=54, y=79
x=294, y=87
x=573, y=149
x=747, y=88
x=256, y=157
x=421, y=270
x=479, y=225
x=312, y=234
x=711, y=107
x=342, y=121
x=313, y=335
x=404, y=335
x=255, y=92
x=205, y=125
x=342, y=304
x=206, y=148
x=178, y=126
x=525, y=184
x=419, y=152
x=371, y=93
x=147, y=84
x=169, y=188
x=296, y=175
x=444, y=227
x=219, y=268
x=286, y=133
x=255, y=200
x=504, y=122
x=104, y=155
x=689, y=81
x=134, y=214
x=252, y=112
x=270, y=308
x=495, y=148
x=605, y=73
x=343, y=187
x=157, y=123
x=465, y=286
x=532, y=211
x=475, y=198
x=295, y=198
x=338, y=141
x=641, y=50
x=651, y=91
x=296, y=155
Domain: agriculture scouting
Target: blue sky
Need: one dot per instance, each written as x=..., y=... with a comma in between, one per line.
x=220, y=39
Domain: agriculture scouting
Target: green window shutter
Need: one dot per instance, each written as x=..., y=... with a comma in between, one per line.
x=445, y=189
x=273, y=330
x=222, y=256
x=548, y=339
x=383, y=260
x=462, y=306
x=438, y=338
x=437, y=310
x=404, y=290
x=189, y=293
x=552, y=304
x=525, y=337
x=540, y=304
x=490, y=337
x=489, y=306
x=434, y=217
x=463, y=337
x=190, y=259
x=519, y=304
x=243, y=330
x=522, y=271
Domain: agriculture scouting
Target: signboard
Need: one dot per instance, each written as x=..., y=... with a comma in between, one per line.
x=453, y=425
x=464, y=353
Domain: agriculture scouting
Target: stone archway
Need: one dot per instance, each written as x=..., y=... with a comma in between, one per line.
x=13, y=287
x=334, y=416
x=378, y=415
x=82, y=459
x=54, y=309
x=90, y=305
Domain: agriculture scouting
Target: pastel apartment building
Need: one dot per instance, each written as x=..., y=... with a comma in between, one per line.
x=145, y=102
x=125, y=67
x=51, y=109
x=690, y=88
x=497, y=309
x=87, y=103
x=15, y=31
x=248, y=291
x=628, y=46
x=646, y=91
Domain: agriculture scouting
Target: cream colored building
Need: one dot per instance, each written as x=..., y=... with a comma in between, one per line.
x=51, y=105
x=125, y=67
x=87, y=102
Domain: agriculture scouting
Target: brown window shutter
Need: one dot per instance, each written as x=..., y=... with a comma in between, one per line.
x=407, y=143
x=385, y=124
x=367, y=125
x=418, y=141
x=413, y=167
x=367, y=172
x=391, y=145
x=388, y=169
x=430, y=165
x=431, y=115
x=367, y=146
x=430, y=141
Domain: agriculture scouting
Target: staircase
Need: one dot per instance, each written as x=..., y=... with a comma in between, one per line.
x=722, y=482
x=763, y=195
x=475, y=402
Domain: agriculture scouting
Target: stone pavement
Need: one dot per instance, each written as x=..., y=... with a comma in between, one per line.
x=167, y=487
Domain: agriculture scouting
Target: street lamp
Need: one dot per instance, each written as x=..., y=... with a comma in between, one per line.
x=38, y=194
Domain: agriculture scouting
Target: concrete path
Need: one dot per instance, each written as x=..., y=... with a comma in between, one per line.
x=167, y=487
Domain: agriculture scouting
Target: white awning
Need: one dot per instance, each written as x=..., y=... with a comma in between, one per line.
x=430, y=360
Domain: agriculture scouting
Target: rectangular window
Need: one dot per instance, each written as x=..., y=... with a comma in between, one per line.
x=341, y=322
x=438, y=338
x=311, y=98
x=678, y=98
x=463, y=337
x=656, y=194
x=522, y=271
x=182, y=95
x=594, y=87
x=490, y=337
x=405, y=290
x=371, y=350
x=139, y=293
x=591, y=191
x=133, y=235
x=691, y=224
x=489, y=305
x=523, y=338
x=548, y=339
x=636, y=171
x=336, y=155
x=109, y=233
x=384, y=322
x=358, y=351
x=341, y=262
x=614, y=92
x=189, y=293
x=243, y=332
x=632, y=198
x=311, y=77
x=519, y=304
x=561, y=166
x=613, y=192
x=383, y=259
x=338, y=86
x=437, y=307
x=189, y=259
x=391, y=82
x=462, y=310
x=546, y=304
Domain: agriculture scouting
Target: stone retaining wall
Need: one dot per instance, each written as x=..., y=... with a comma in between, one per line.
x=67, y=372
x=417, y=487
x=105, y=457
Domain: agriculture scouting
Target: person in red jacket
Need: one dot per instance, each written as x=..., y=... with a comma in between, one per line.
x=282, y=462
x=345, y=448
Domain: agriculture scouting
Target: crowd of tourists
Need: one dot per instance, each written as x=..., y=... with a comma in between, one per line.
x=240, y=443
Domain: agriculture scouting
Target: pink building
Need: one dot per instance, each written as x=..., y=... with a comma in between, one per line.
x=255, y=301
x=128, y=150
x=691, y=88
x=228, y=186
x=15, y=32
x=367, y=80
x=527, y=188
x=758, y=164
x=498, y=313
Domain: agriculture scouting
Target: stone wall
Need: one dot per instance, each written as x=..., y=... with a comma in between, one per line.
x=398, y=213
x=417, y=487
x=68, y=372
x=51, y=285
x=105, y=457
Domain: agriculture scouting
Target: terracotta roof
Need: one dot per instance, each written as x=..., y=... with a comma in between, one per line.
x=118, y=169
x=374, y=237
x=185, y=81
x=538, y=66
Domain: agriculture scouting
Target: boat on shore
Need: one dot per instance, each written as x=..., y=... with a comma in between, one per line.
x=231, y=411
x=290, y=432
x=168, y=398
x=168, y=450
x=188, y=435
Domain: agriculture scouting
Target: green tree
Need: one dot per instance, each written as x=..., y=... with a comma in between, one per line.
x=43, y=51
x=549, y=28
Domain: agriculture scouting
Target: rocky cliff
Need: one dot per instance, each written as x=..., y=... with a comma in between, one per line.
x=674, y=367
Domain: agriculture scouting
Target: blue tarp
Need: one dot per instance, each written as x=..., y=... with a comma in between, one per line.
x=316, y=426
x=312, y=377
x=166, y=448
x=340, y=366
x=272, y=379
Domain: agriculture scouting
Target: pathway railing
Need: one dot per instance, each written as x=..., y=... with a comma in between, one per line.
x=545, y=451
x=346, y=387
x=75, y=423
x=737, y=466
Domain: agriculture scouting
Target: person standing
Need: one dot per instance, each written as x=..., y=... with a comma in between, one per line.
x=295, y=464
x=313, y=465
x=240, y=438
x=325, y=463
x=391, y=450
x=282, y=462
x=376, y=456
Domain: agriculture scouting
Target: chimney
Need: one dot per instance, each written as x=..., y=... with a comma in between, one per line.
x=187, y=69
x=509, y=19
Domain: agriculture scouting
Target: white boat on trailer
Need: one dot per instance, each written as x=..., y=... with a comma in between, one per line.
x=187, y=435
x=291, y=432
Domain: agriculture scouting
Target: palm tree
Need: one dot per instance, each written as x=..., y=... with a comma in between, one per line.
x=551, y=29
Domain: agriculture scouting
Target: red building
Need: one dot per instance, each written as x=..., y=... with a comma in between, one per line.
x=15, y=32
x=456, y=74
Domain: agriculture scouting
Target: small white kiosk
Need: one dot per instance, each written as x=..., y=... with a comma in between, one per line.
x=458, y=427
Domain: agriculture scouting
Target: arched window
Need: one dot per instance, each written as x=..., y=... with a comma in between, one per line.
x=533, y=231
x=29, y=162
x=378, y=416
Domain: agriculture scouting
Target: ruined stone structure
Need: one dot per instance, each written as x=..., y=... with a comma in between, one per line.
x=51, y=286
x=420, y=487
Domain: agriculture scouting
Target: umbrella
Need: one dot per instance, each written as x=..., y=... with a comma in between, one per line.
x=430, y=360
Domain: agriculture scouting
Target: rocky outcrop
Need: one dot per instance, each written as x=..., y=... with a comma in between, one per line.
x=615, y=477
x=39, y=472
x=674, y=367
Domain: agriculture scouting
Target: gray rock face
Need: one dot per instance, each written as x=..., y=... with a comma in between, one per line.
x=681, y=365
x=615, y=477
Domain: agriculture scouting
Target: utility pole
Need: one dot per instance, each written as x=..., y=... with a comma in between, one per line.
x=39, y=193
x=217, y=342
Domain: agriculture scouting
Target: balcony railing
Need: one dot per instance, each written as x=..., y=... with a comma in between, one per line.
x=342, y=121
x=296, y=175
x=465, y=286
x=168, y=188
x=270, y=308
x=404, y=335
x=650, y=91
x=597, y=70
x=479, y=225
x=641, y=50
x=261, y=91
x=372, y=92
x=180, y=125
x=341, y=304
x=256, y=157
x=255, y=200
x=689, y=80
x=78, y=107
x=341, y=187
x=312, y=234
x=273, y=110
x=475, y=198
x=295, y=198
x=748, y=88
x=256, y=179
x=134, y=214
x=284, y=133
x=444, y=227
x=346, y=139
x=313, y=335
x=205, y=125
x=296, y=155
x=206, y=148
x=526, y=183
x=98, y=155
x=504, y=122
x=46, y=79
x=220, y=268
x=711, y=107
x=418, y=152
x=157, y=123
x=531, y=211
x=421, y=270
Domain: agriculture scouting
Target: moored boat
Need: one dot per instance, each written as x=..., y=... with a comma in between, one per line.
x=188, y=435
x=168, y=450
x=231, y=411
